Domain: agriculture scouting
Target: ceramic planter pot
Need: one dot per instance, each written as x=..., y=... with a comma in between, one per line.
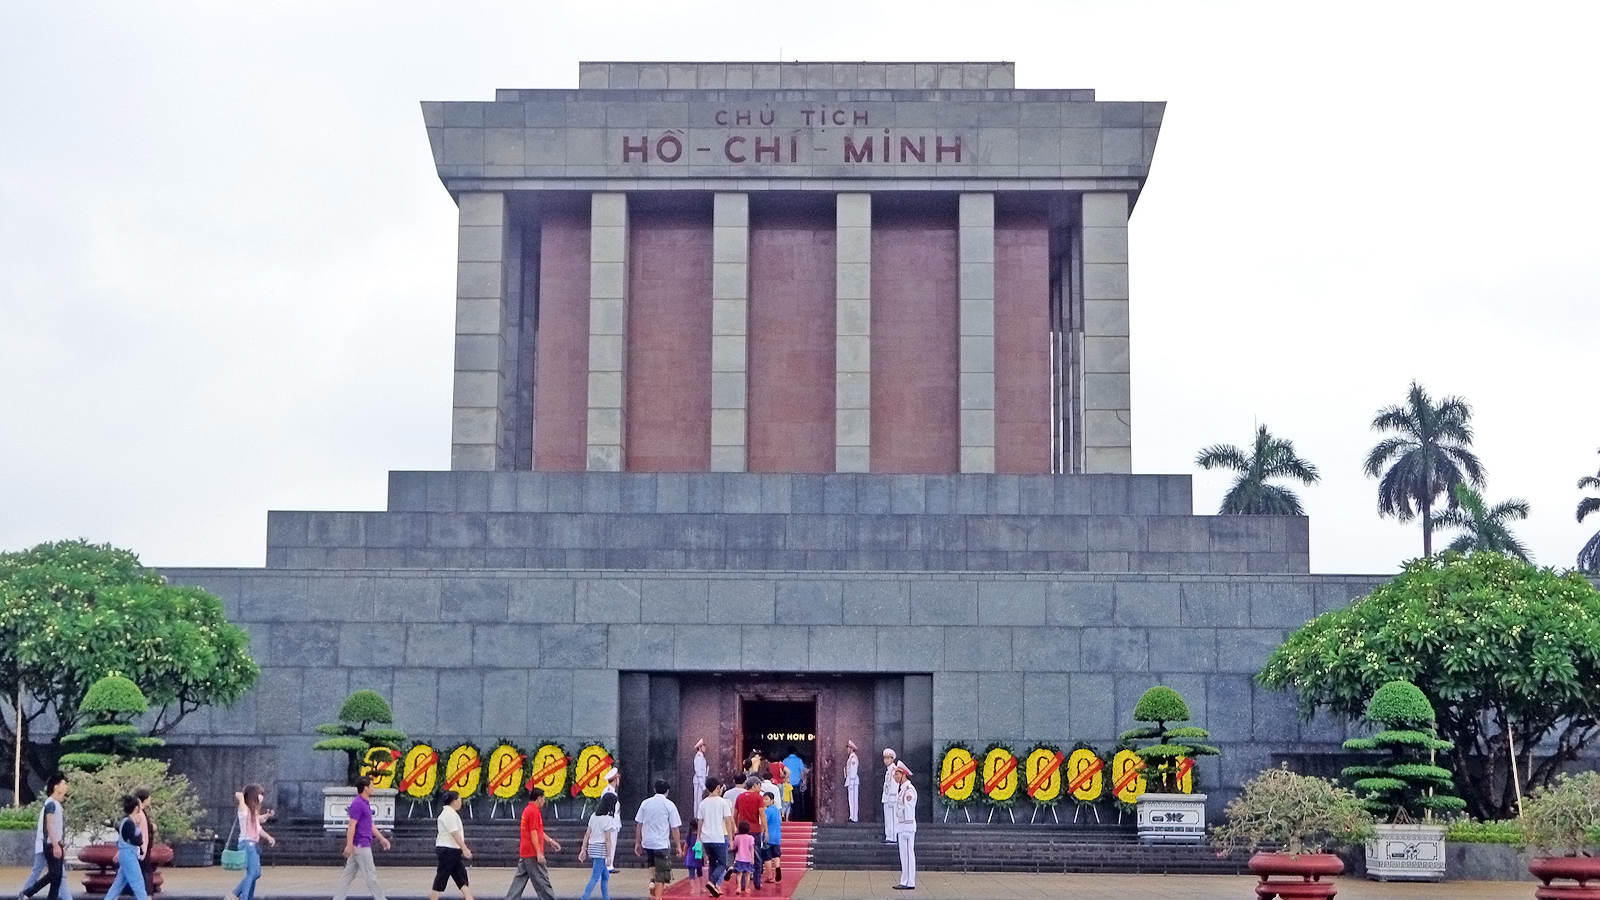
x=1172, y=818
x=103, y=857
x=1407, y=853
x=1295, y=876
x=336, y=807
x=1585, y=870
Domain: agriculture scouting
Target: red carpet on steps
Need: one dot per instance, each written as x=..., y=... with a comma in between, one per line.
x=796, y=859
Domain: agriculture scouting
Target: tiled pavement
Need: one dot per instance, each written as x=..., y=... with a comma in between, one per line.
x=630, y=884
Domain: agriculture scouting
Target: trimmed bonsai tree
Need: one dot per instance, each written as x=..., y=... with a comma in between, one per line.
x=110, y=705
x=1405, y=784
x=1301, y=813
x=1166, y=746
x=360, y=728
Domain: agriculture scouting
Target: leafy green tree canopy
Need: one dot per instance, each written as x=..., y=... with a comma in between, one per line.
x=72, y=612
x=1428, y=454
x=1484, y=527
x=1500, y=648
x=1251, y=494
x=1403, y=783
x=1589, y=556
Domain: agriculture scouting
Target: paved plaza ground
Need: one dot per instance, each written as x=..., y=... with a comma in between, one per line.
x=404, y=883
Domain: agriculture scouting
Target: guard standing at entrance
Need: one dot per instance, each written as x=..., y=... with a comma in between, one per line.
x=905, y=824
x=700, y=772
x=852, y=780
x=891, y=790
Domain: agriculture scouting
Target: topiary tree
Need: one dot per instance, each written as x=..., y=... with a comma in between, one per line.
x=111, y=704
x=1166, y=746
x=1404, y=784
x=355, y=733
x=72, y=612
x=1507, y=653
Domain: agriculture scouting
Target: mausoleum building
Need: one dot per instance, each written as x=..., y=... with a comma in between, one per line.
x=791, y=406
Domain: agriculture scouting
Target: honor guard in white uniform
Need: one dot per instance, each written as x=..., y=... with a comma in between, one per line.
x=700, y=772
x=852, y=780
x=905, y=824
x=891, y=790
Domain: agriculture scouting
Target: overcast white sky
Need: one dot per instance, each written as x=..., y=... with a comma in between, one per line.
x=226, y=264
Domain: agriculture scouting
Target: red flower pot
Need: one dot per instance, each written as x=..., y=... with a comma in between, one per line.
x=104, y=858
x=1299, y=876
x=1582, y=869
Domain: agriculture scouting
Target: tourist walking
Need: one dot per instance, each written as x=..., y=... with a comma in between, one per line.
x=358, y=837
x=905, y=827
x=891, y=790
x=613, y=784
x=147, y=828
x=852, y=780
x=797, y=780
x=531, y=866
x=772, y=851
x=247, y=809
x=655, y=836
x=715, y=820
x=698, y=784
x=694, y=858
x=751, y=810
x=450, y=848
x=49, y=843
x=130, y=844
x=744, y=857
x=599, y=842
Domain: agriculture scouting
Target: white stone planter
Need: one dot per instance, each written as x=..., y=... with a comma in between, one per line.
x=336, y=807
x=1407, y=853
x=1172, y=818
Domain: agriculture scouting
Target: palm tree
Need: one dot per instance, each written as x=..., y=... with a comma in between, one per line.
x=1589, y=556
x=1429, y=456
x=1251, y=495
x=1483, y=527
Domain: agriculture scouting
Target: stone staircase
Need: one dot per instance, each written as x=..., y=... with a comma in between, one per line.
x=1017, y=848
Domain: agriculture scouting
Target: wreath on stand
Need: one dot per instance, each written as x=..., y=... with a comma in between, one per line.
x=1000, y=782
x=1085, y=779
x=589, y=774
x=1041, y=779
x=419, y=775
x=547, y=770
x=463, y=771
x=958, y=778
x=1127, y=781
x=504, y=770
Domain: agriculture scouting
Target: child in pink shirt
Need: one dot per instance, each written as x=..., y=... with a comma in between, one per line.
x=744, y=855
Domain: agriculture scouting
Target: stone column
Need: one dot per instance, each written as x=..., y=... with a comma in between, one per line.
x=853, y=334
x=1107, y=407
x=479, y=419
x=608, y=320
x=976, y=227
x=730, y=329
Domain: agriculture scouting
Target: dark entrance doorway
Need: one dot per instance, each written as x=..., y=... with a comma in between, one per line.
x=779, y=729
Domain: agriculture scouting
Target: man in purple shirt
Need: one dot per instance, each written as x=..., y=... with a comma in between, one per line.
x=358, y=838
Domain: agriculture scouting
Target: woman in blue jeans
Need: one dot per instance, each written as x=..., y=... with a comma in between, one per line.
x=251, y=834
x=130, y=848
x=599, y=842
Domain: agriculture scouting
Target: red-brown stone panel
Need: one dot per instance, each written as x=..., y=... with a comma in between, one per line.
x=668, y=405
x=561, y=354
x=915, y=326
x=791, y=398
x=1022, y=340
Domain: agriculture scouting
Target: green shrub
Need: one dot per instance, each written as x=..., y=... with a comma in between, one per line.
x=1467, y=831
x=19, y=818
x=1564, y=817
x=94, y=799
x=1298, y=812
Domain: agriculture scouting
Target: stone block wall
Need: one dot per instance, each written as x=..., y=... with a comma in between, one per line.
x=538, y=655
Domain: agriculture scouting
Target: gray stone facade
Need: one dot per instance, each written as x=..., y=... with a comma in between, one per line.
x=479, y=647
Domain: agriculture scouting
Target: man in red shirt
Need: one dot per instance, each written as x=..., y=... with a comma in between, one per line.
x=749, y=808
x=531, y=867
